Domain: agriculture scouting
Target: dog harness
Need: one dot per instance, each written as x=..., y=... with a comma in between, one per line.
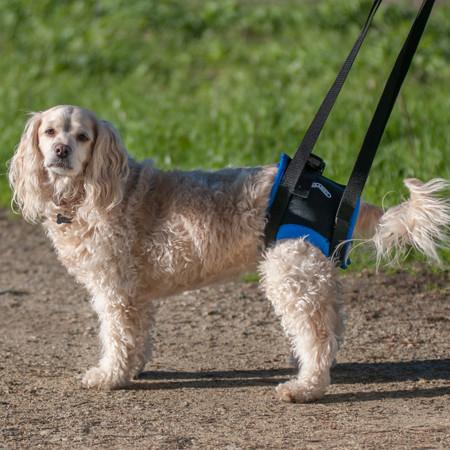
x=312, y=208
x=304, y=203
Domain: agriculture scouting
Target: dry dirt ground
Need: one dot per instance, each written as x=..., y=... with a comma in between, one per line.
x=219, y=353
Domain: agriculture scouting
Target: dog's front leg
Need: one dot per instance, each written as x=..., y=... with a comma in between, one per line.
x=121, y=335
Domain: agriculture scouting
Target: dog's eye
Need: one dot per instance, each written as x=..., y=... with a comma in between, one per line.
x=82, y=137
x=50, y=132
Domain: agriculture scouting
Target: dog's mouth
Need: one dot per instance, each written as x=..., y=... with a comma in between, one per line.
x=60, y=167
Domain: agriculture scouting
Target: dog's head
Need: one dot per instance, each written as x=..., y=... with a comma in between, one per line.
x=65, y=155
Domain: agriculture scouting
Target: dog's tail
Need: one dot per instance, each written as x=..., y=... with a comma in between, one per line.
x=421, y=222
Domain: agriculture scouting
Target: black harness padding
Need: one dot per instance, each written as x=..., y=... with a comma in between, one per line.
x=298, y=172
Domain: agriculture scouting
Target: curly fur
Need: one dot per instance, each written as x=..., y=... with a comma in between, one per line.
x=138, y=233
x=420, y=222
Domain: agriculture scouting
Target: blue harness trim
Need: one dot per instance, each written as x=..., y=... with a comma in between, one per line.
x=284, y=161
x=299, y=230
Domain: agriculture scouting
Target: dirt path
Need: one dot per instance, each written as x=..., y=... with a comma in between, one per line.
x=219, y=352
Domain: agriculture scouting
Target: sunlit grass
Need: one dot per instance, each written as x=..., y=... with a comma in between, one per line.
x=217, y=83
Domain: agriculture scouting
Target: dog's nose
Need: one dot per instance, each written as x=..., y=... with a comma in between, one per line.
x=62, y=150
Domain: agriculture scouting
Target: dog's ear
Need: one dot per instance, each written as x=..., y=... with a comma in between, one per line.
x=107, y=169
x=26, y=173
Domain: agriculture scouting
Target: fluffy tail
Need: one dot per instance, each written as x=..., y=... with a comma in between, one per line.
x=421, y=222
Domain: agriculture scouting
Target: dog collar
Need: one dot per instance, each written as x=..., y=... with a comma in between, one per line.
x=62, y=219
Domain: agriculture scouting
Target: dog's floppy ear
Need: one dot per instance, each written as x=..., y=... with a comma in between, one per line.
x=107, y=169
x=26, y=172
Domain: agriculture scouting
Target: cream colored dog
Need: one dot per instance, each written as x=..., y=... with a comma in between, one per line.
x=132, y=233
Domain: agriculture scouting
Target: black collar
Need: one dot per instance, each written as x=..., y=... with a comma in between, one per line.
x=62, y=219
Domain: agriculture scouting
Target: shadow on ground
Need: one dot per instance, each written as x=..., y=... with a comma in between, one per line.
x=347, y=373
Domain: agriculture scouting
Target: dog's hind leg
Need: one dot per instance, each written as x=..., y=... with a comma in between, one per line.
x=302, y=285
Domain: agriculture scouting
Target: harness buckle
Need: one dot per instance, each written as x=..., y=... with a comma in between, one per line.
x=315, y=165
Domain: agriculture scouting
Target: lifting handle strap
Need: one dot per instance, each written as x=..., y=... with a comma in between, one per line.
x=296, y=166
x=376, y=128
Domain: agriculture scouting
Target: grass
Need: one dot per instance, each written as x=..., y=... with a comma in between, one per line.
x=202, y=83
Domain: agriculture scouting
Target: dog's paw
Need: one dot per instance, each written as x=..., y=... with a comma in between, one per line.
x=296, y=391
x=98, y=378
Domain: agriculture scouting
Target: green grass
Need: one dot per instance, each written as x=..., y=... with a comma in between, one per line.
x=198, y=83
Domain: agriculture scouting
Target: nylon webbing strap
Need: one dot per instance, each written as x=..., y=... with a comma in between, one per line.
x=296, y=166
x=376, y=128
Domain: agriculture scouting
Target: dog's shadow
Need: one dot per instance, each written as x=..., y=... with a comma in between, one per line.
x=346, y=373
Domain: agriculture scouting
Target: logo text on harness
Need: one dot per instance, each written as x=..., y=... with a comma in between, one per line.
x=324, y=190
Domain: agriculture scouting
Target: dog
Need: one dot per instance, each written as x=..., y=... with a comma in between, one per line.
x=131, y=233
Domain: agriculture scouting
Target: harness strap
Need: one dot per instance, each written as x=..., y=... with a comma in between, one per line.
x=296, y=166
x=376, y=128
